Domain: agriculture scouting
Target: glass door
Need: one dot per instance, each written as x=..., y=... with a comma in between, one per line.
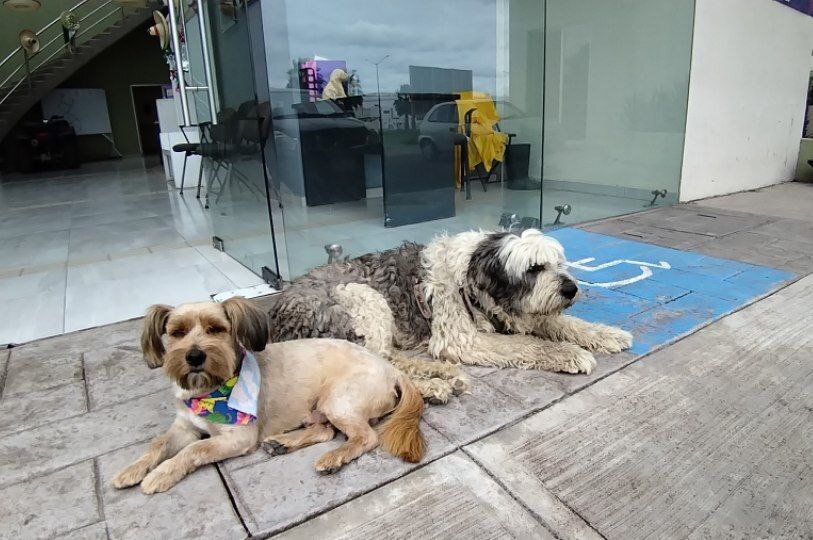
x=234, y=143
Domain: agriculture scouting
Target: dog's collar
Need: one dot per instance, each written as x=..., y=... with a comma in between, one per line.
x=423, y=305
x=234, y=401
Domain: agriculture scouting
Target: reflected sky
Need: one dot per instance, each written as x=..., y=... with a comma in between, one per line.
x=451, y=34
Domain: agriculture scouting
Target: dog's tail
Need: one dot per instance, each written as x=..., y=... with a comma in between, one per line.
x=400, y=434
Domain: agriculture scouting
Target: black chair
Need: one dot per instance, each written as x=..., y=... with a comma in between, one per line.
x=189, y=149
x=217, y=144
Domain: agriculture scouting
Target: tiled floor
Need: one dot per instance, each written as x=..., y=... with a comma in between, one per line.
x=109, y=239
x=98, y=245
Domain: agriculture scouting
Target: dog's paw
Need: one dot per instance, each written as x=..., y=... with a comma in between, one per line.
x=613, y=340
x=460, y=385
x=130, y=476
x=329, y=463
x=159, y=480
x=434, y=391
x=274, y=448
x=436, y=400
x=578, y=360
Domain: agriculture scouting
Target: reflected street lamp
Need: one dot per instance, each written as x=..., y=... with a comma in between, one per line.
x=378, y=89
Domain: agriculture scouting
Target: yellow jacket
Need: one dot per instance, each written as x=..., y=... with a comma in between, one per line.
x=485, y=145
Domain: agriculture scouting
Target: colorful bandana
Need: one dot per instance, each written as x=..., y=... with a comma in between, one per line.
x=234, y=401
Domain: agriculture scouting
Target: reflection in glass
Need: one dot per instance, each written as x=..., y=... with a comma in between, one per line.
x=390, y=161
x=616, y=89
x=437, y=120
x=235, y=147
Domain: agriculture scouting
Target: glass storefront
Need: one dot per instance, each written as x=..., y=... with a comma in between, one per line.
x=385, y=122
x=235, y=140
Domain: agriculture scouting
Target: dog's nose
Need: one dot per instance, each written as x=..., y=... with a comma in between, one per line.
x=195, y=357
x=569, y=289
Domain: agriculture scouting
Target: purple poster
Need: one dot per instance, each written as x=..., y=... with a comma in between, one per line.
x=805, y=6
x=314, y=75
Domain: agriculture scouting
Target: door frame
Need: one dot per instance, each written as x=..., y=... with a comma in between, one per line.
x=135, y=113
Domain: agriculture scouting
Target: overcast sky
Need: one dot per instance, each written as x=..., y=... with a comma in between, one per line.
x=458, y=34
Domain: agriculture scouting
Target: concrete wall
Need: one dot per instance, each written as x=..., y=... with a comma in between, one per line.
x=751, y=61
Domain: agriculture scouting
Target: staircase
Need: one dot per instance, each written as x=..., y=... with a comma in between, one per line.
x=102, y=23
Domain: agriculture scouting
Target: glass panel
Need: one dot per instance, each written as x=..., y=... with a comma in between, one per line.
x=375, y=159
x=238, y=195
x=616, y=86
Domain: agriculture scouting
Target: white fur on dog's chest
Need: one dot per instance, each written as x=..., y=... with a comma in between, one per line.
x=199, y=422
x=185, y=413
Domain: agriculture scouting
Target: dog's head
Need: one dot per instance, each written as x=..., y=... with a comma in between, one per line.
x=203, y=340
x=522, y=273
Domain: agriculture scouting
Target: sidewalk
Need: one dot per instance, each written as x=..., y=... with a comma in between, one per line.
x=709, y=436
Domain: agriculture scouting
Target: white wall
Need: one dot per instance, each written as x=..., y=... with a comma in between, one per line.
x=751, y=61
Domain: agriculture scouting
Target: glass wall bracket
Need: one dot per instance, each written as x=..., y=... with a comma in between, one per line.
x=272, y=278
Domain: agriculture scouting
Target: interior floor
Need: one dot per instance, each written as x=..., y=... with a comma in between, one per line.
x=99, y=244
x=359, y=226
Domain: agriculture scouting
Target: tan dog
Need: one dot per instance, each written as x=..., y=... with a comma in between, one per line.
x=310, y=386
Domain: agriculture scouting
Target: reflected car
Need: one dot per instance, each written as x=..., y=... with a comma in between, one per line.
x=439, y=126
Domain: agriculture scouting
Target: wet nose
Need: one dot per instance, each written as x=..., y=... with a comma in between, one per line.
x=569, y=289
x=195, y=357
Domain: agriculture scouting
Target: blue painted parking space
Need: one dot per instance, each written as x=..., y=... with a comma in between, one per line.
x=658, y=293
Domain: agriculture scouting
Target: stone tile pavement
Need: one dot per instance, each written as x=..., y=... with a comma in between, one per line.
x=710, y=436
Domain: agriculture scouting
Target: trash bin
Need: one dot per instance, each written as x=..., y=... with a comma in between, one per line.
x=517, y=159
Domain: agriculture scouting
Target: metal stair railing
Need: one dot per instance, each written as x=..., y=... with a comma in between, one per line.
x=18, y=67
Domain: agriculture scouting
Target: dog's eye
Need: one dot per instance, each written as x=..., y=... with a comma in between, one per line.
x=536, y=268
x=215, y=330
x=178, y=333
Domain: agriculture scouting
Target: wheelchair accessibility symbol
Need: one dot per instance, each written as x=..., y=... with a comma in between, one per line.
x=645, y=267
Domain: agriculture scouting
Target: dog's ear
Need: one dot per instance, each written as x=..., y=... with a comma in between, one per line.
x=249, y=325
x=155, y=326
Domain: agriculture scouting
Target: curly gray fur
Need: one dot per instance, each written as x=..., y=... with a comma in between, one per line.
x=307, y=307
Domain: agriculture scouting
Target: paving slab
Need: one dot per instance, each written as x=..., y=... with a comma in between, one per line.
x=536, y=389
x=711, y=435
x=785, y=253
x=4, y=354
x=648, y=234
x=478, y=413
x=198, y=507
x=280, y=491
x=24, y=375
x=50, y=505
x=450, y=498
x=119, y=373
x=792, y=229
x=33, y=409
x=75, y=343
x=97, y=531
x=789, y=200
x=43, y=449
x=702, y=221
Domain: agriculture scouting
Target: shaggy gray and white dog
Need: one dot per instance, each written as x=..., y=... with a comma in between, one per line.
x=479, y=298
